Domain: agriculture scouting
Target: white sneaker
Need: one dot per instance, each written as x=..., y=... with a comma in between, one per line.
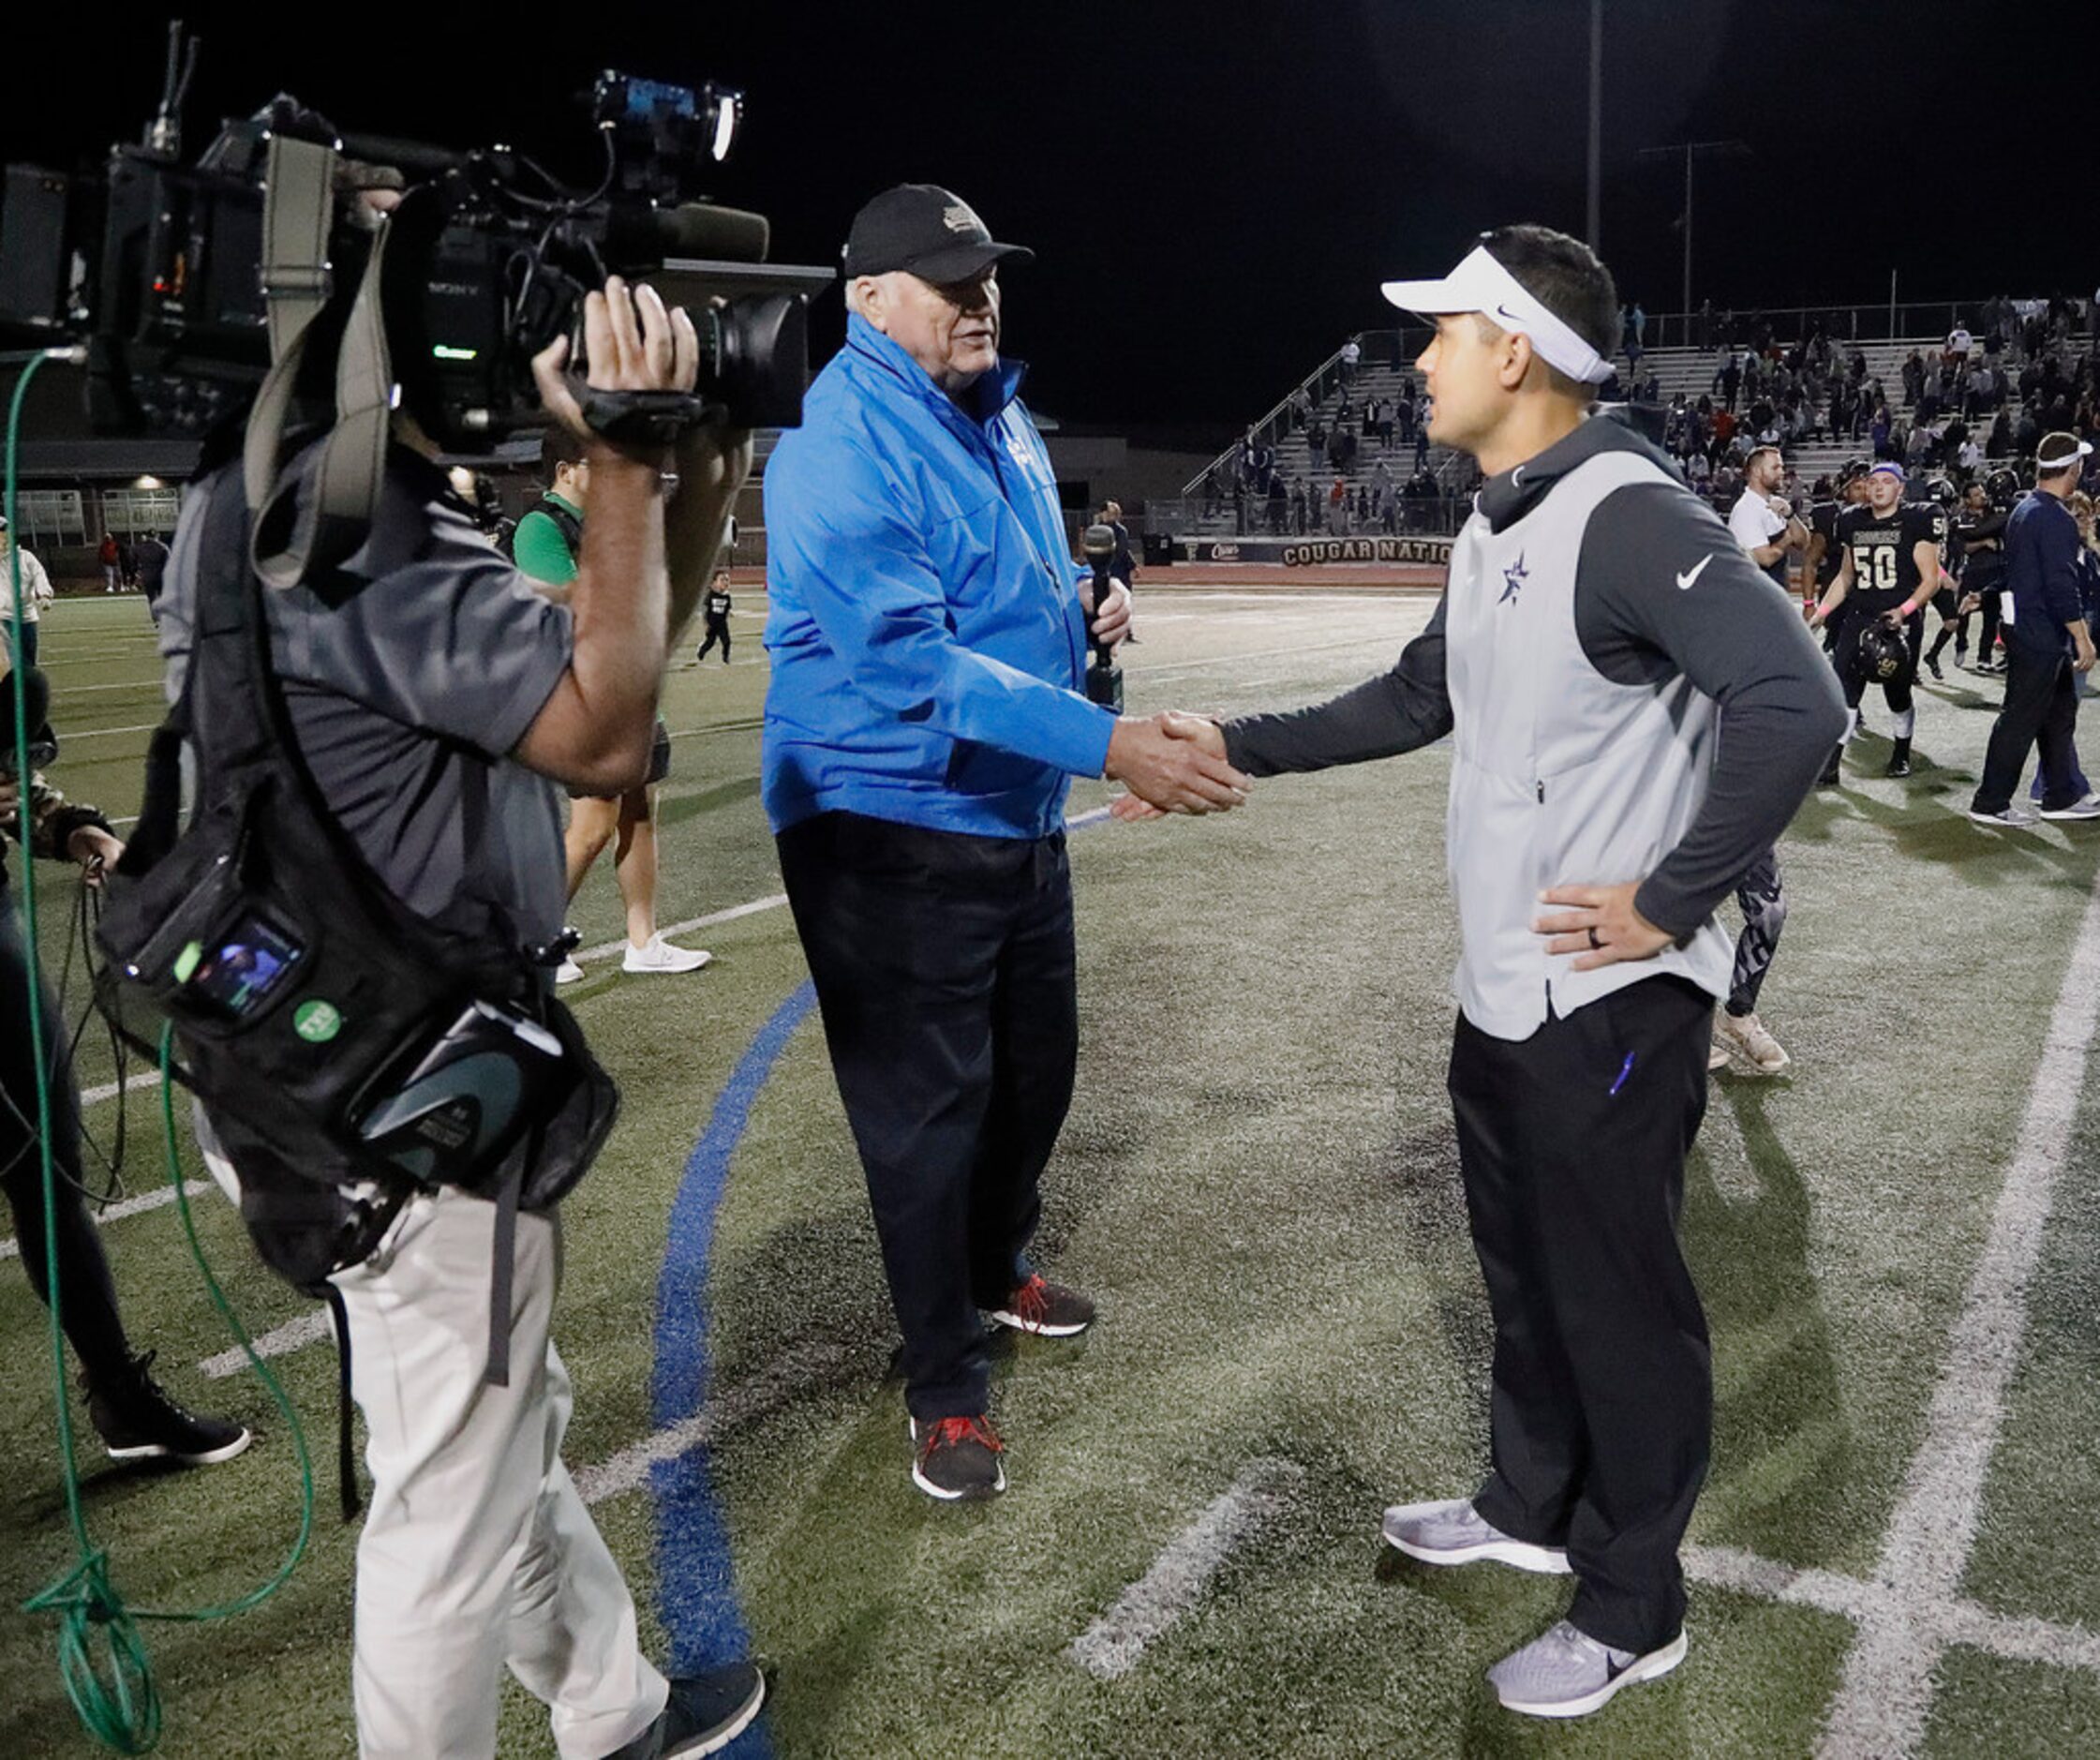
x=568, y=972
x=1566, y=1673
x=2013, y=816
x=1451, y=1531
x=2087, y=809
x=661, y=956
x=1718, y=1058
x=1747, y=1033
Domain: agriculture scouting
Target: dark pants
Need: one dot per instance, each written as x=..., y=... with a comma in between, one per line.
x=718, y=631
x=1761, y=897
x=945, y=969
x=1573, y=1144
x=2041, y=703
x=87, y=1302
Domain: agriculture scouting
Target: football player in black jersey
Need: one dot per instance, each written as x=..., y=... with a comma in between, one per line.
x=1979, y=535
x=1890, y=569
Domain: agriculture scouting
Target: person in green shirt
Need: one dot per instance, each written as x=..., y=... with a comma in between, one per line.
x=545, y=546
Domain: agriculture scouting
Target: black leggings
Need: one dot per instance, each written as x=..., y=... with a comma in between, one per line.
x=89, y=1307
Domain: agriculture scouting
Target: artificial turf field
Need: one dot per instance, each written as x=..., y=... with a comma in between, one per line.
x=1258, y=1183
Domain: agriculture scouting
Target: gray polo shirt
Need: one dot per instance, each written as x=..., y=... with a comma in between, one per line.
x=410, y=689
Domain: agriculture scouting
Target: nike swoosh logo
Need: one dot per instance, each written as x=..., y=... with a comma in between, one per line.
x=1685, y=581
x=1503, y=311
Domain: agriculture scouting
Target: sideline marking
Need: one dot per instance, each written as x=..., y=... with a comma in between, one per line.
x=307, y=1329
x=697, y=1590
x=1114, y=1644
x=153, y=1199
x=1887, y=1693
x=764, y=1392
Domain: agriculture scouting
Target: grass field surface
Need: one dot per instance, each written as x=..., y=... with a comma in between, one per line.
x=1258, y=1184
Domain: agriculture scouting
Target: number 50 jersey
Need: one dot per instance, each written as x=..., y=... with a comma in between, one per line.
x=1884, y=551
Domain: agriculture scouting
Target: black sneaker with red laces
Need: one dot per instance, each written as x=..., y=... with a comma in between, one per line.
x=957, y=1459
x=1047, y=1309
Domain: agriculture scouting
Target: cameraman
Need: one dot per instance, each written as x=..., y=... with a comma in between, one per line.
x=434, y=680
x=135, y=1419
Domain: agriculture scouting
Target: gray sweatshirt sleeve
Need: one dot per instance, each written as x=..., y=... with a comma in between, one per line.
x=1397, y=711
x=1663, y=589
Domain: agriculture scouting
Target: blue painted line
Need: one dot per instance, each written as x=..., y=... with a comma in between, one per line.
x=698, y=1589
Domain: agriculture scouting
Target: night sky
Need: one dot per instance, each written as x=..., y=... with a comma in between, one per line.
x=1214, y=191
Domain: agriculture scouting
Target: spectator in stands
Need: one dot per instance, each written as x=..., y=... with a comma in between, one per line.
x=1728, y=380
x=112, y=563
x=1352, y=353
x=1422, y=438
x=1279, y=505
x=1338, y=508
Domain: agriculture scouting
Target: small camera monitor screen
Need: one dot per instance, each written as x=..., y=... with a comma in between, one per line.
x=249, y=962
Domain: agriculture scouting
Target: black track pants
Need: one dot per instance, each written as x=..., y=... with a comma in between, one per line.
x=1573, y=1144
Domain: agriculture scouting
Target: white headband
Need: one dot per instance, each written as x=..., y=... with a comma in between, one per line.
x=1480, y=284
x=2053, y=464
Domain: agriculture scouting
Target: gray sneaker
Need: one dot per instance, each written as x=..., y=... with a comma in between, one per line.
x=1453, y=1532
x=2013, y=816
x=1569, y=1673
x=2088, y=808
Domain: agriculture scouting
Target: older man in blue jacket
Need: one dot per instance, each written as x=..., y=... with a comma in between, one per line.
x=929, y=636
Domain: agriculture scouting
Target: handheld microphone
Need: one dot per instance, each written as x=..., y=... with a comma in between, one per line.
x=1104, y=678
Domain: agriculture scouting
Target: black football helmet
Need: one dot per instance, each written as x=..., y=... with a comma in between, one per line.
x=2003, y=487
x=1885, y=653
x=1941, y=490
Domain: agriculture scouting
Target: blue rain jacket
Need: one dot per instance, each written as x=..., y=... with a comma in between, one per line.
x=926, y=631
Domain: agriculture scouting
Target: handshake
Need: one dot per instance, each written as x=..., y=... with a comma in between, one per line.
x=1172, y=763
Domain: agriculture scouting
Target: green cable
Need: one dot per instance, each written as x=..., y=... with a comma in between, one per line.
x=102, y=1657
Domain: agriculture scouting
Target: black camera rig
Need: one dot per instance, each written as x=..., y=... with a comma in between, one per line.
x=185, y=282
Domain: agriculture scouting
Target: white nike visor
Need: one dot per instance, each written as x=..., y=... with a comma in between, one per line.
x=1480, y=284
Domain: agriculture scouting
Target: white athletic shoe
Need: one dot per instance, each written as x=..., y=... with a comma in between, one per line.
x=2013, y=816
x=568, y=972
x=661, y=956
x=1451, y=1531
x=1718, y=1058
x=1566, y=1673
x=1747, y=1035
x=2087, y=809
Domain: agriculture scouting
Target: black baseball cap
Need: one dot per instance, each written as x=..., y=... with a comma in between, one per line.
x=928, y=231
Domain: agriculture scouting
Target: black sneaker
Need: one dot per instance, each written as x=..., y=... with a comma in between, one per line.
x=1932, y=666
x=1829, y=778
x=137, y=1420
x=1899, y=759
x=1047, y=1309
x=957, y=1459
x=703, y=1715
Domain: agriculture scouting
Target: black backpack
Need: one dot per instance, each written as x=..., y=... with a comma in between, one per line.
x=349, y=1052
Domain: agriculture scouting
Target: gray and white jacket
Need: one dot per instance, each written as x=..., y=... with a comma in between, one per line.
x=1631, y=699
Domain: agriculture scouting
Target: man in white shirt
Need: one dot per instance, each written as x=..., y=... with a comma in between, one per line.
x=1761, y=522
x=36, y=590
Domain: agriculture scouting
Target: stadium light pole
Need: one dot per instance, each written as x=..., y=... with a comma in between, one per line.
x=1691, y=150
x=1595, y=122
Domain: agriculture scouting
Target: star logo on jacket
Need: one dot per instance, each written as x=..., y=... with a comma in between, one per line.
x=1513, y=578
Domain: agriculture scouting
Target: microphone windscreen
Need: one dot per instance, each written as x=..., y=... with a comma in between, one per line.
x=700, y=228
x=1099, y=541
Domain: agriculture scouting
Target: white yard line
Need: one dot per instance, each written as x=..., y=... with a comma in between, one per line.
x=770, y=1389
x=1114, y=1644
x=307, y=1329
x=153, y=1199
x=1886, y=1694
